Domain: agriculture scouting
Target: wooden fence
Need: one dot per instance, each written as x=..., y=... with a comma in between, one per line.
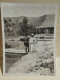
x=46, y=37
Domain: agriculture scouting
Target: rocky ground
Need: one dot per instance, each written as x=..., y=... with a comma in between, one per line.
x=36, y=63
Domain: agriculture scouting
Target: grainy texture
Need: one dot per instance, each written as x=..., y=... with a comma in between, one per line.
x=57, y=26
x=1, y=51
x=22, y=33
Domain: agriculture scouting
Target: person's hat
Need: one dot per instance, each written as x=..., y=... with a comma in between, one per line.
x=32, y=34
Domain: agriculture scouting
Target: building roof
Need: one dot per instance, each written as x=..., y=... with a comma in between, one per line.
x=48, y=22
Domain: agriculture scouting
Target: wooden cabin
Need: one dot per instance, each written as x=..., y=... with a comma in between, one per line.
x=47, y=26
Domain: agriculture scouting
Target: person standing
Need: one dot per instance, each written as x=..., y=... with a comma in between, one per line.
x=26, y=43
x=32, y=43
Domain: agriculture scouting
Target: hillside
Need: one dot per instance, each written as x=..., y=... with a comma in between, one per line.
x=12, y=24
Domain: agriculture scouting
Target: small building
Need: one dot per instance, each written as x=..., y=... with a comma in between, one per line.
x=47, y=26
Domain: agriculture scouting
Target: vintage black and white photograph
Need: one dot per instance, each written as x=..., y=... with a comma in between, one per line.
x=29, y=32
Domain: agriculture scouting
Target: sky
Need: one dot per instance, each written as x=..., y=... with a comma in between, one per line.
x=29, y=10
